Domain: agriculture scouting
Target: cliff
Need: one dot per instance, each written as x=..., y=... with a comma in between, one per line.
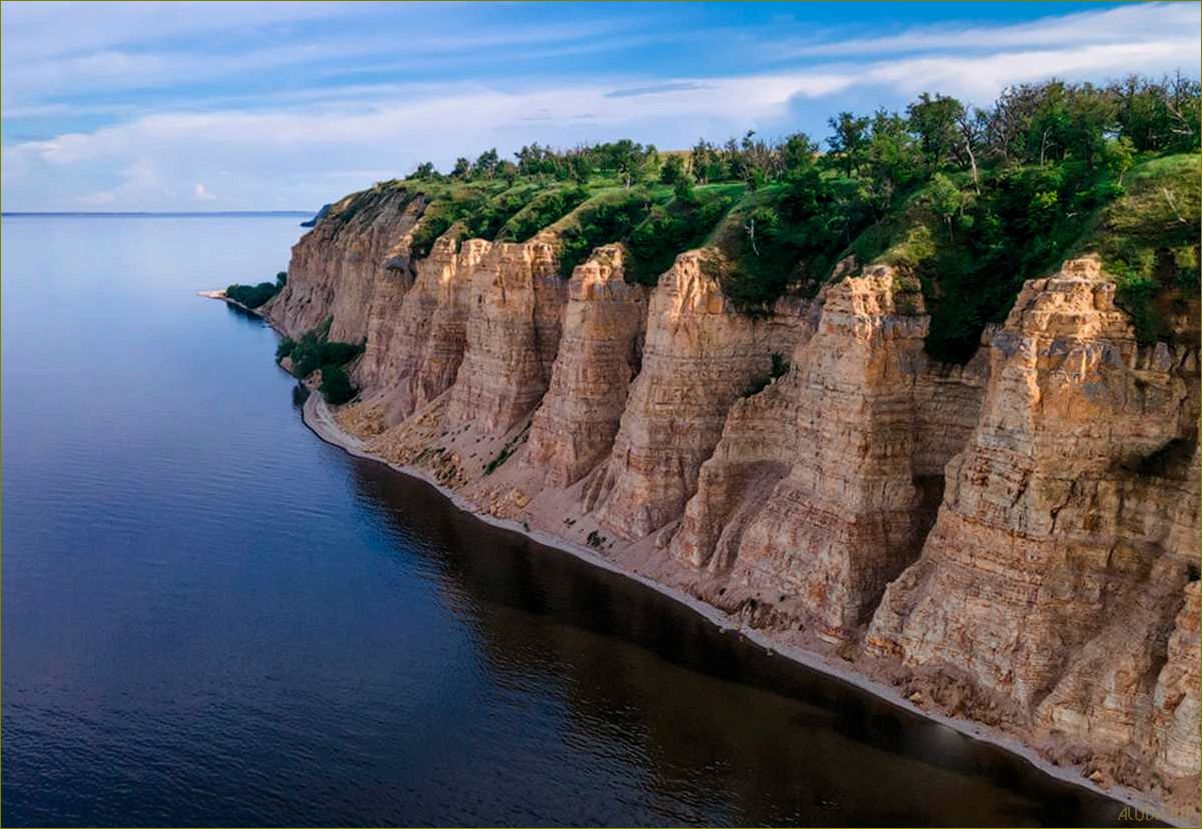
x=1011, y=540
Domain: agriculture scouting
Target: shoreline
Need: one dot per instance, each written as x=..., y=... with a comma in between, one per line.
x=221, y=295
x=317, y=417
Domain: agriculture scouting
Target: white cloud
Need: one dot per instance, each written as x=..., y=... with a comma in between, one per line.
x=1126, y=24
x=312, y=144
x=33, y=30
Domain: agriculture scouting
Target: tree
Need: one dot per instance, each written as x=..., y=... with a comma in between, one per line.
x=424, y=171
x=335, y=386
x=486, y=164
x=682, y=191
x=673, y=170
x=850, y=140
x=797, y=155
x=936, y=123
x=462, y=168
x=893, y=158
x=970, y=129
x=707, y=164
x=946, y=199
x=1090, y=114
x=1116, y=157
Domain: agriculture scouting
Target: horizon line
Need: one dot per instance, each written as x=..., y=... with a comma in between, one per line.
x=150, y=212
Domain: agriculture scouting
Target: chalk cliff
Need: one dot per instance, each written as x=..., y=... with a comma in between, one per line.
x=1016, y=536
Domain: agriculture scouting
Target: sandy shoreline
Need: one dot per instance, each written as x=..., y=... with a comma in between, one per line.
x=318, y=418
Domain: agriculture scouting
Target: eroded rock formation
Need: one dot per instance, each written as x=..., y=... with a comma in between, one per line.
x=825, y=484
x=698, y=356
x=1022, y=529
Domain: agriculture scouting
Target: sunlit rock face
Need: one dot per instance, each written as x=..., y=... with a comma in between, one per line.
x=699, y=355
x=600, y=353
x=1024, y=526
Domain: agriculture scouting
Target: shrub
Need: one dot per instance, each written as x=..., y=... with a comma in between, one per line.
x=313, y=351
x=284, y=348
x=252, y=296
x=336, y=387
x=779, y=368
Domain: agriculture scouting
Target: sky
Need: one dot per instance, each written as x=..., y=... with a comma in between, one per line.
x=181, y=106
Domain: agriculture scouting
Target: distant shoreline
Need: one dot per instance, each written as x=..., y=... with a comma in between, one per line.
x=150, y=213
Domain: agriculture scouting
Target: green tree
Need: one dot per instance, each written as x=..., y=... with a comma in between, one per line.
x=424, y=171
x=849, y=142
x=673, y=170
x=335, y=386
x=486, y=164
x=798, y=154
x=936, y=123
x=1116, y=156
x=894, y=159
x=946, y=199
x=707, y=165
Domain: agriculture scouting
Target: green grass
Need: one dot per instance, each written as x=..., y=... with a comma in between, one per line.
x=1148, y=243
x=1025, y=223
x=969, y=263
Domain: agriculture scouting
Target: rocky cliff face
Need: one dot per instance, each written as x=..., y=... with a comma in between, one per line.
x=698, y=355
x=347, y=264
x=1068, y=530
x=599, y=354
x=1016, y=536
x=825, y=484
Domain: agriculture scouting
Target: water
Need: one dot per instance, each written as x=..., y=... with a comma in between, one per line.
x=211, y=617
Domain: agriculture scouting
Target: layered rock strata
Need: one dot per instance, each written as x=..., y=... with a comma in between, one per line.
x=825, y=484
x=1017, y=536
x=599, y=355
x=698, y=356
x=1068, y=531
x=347, y=263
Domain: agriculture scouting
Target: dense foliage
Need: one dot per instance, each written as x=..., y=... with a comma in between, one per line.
x=252, y=296
x=335, y=386
x=968, y=202
x=313, y=351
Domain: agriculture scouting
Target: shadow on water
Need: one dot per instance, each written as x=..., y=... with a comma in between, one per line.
x=212, y=618
x=715, y=716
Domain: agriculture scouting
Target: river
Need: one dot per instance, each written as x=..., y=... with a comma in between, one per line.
x=211, y=617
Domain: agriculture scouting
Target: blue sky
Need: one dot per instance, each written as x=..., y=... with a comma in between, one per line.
x=245, y=106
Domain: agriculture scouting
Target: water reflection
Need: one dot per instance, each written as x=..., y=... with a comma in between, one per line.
x=723, y=731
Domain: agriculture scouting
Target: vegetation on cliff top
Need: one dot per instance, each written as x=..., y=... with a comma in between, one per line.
x=969, y=202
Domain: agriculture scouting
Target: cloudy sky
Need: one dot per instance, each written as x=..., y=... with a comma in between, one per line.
x=247, y=106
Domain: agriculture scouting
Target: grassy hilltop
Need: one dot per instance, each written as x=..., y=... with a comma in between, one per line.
x=968, y=203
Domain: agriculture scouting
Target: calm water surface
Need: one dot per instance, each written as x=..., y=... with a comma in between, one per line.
x=211, y=617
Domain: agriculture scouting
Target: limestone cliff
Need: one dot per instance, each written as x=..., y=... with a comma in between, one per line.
x=1015, y=538
x=825, y=484
x=699, y=354
x=1068, y=529
x=349, y=262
